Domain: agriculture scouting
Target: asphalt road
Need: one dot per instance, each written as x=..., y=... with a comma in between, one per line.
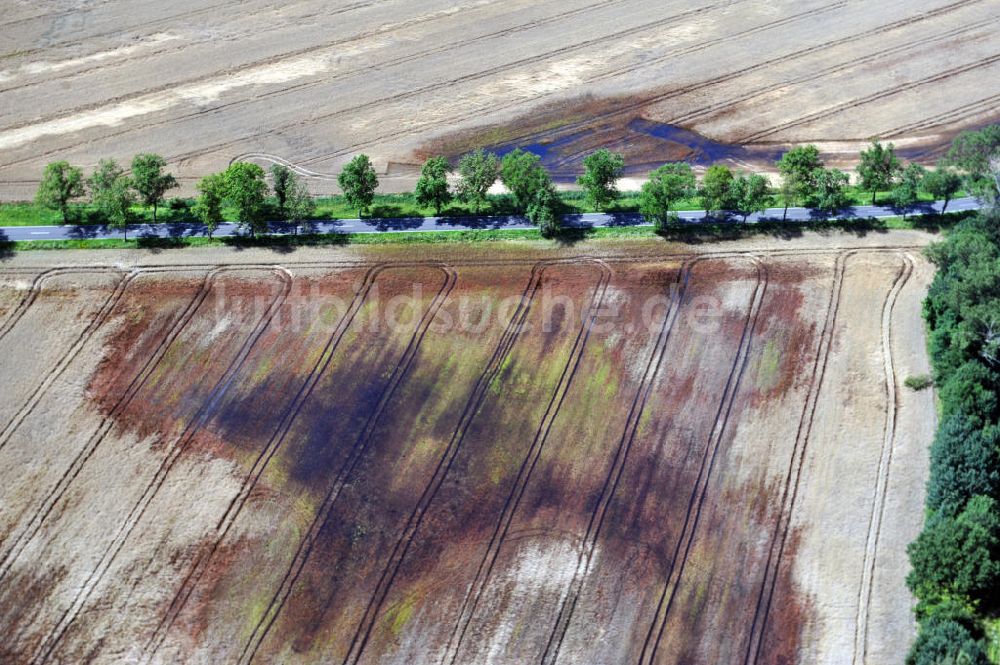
x=419, y=224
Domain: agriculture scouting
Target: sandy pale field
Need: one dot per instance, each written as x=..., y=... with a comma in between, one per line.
x=315, y=82
x=607, y=453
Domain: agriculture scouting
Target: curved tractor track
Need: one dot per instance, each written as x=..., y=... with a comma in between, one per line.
x=204, y=557
x=50, y=378
x=136, y=385
x=174, y=450
x=791, y=486
x=502, y=528
x=884, y=466
x=490, y=373
x=611, y=483
x=391, y=575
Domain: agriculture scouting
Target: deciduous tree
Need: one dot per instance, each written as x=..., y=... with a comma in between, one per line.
x=543, y=211
x=150, y=181
x=667, y=186
x=830, y=193
x=879, y=168
x=432, y=186
x=942, y=183
x=943, y=641
x=906, y=192
x=965, y=461
x=478, y=172
x=800, y=168
x=716, y=189
x=61, y=183
x=208, y=207
x=523, y=174
x=602, y=169
x=359, y=181
x=113, y=194
x=959, y=557
x=977, y=154
x=246, y=190
x=103, y=178
x=282, y=181
x=750, y=193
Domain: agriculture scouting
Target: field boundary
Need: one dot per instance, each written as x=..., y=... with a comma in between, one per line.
x=884, y=464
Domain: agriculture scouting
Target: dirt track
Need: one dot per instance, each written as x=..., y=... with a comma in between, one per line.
x=314, y=83
x=614, y=452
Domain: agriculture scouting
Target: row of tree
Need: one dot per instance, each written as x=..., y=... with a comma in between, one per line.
x=956, y=559
x=805, y=180
x=111, y=190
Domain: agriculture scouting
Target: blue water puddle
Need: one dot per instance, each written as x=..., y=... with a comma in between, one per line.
x=705, y=150
x=698, y=149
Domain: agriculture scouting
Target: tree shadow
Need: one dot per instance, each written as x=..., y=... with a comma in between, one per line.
x=571, y=235
x=6, y=247
x=395, y=223
x=484, y=223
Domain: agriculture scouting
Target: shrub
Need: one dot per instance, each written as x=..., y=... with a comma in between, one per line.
x=918, y=382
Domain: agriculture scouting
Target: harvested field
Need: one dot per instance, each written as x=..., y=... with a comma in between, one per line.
x=315, y=82
x=634, y=454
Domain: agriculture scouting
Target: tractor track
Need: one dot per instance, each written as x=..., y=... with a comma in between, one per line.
x=123, y=30
x=327, y=46
x=628, y=109
x=137, y=383
x=173, y=451
x=610, y=487
x=492, y=369
x=221, y=108
x=950, y=117
x=36, y=287
x=67, y=359
x=791, y=487
x=306, y=545
x=700, y=490
x=485, y=570
x=305, y=391
x=674, y=53
x=687, y=118
x=884, y=464
x=319, y=522
x=868, y=99
x=232, y=71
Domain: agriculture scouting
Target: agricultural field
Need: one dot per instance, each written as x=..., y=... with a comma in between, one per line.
x=315, y=82
x=611, y=452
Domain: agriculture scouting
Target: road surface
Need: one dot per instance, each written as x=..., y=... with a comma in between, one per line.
x=418, y=224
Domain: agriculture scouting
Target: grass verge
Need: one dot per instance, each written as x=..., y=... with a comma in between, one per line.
x=687, y=233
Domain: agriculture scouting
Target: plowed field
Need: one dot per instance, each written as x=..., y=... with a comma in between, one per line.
x=314, y=82
x=659, y=458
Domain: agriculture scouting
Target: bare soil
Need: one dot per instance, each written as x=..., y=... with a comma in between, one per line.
x=316, y=82
x=611, y=452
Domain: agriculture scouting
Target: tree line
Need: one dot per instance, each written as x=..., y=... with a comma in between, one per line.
x=955, y=562
x=805, y=180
